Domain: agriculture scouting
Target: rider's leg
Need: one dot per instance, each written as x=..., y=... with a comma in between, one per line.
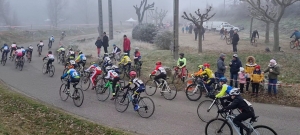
x=114, y=83
x=48, y=66
x=242, y=117
x=93, y=78
x=183, y=71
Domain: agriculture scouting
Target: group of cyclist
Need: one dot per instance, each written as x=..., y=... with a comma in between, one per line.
x=15, y=50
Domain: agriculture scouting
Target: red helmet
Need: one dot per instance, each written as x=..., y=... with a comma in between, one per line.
x=132, y=74
x=158, y=63
x=257, y=67
x=206, y=65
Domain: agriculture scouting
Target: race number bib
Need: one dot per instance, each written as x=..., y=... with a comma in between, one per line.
x=249, y=104
x=71, y=52
x=83, y=58
x=72, y=62
x=98, y=68
x=75, y=74
x=114, y=74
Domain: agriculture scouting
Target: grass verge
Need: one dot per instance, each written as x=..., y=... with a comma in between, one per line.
x=20, y=115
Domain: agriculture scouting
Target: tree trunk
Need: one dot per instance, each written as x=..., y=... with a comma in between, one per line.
x=176, y=29
x=267, y=38
x=200, y=33
x=111, y=27
x=251, y=23
x=276, y=37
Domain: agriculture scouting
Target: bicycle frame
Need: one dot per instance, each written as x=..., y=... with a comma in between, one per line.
x=237, y=130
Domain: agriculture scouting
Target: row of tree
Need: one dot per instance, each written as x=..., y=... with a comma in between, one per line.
x=5, y=14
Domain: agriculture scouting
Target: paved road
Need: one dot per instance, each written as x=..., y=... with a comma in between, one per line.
x=177, y=117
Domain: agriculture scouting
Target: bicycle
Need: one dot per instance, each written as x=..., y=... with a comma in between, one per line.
x=294, y=44
x=28, y=55
x=229, y=122
x=166, y=89
x=124, y=71
x=137, y=67
x=51, y=69
x=228, y=40
x=178, y=74
x=61, y=58
x=13, y=55
x=4, y=58
x=103, y=90
x=50, y=45
x=77, y=95
x=20, y=63
x=124, y=98
x=40, y=50
x=254, y=42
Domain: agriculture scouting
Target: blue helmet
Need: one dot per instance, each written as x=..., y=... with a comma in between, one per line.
x=223, y=79
x=5, y=45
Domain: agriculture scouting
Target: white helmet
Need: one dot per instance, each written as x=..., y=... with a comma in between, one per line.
x=235, y=55
x=108, y=68
x=114, y=67
x=234, y=92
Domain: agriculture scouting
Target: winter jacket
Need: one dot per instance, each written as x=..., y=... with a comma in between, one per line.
x=221, y=66
x=235, y=39
x=242, y=77
x=249, y=67
x=257, y=76
x=240, y=103
x=297, y=34
x=274, y=73
x=98, y=43
x=196, y=30
x=126, y=44
x=235, y=66
x=105, y=41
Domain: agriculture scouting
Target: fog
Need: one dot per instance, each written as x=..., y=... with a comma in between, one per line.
x=35, y=12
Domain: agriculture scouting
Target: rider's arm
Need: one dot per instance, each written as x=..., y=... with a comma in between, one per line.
x=184, y=62
x=122, y=60
x=293, y=34
x=222, y=92
x=155, y=70
x=66, y=74
x=78, y=58
x=204, y=72
x=233, y=105
x=108, y=75
x=89, y=68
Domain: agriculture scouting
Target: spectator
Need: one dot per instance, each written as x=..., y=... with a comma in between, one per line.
x=182, y=29
x=235, y=65
x=242, y=79
x=222, y=33
x=235, y=40
x=187, y=29
x=225, y=33
x=105, y=42
x=231, y=32
x=191, y=29
x=99, y=44
x=274, y=71
x=221, y=68
x=196, y=30
x=203, y=31
x=256, y=77
x=126, y=45
x=249, y=68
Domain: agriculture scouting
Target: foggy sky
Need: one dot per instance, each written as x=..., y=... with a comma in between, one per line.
x=35, y=11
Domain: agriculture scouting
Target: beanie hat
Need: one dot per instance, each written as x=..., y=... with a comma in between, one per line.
x=222, y=55
x=273, y=61
x=257, y=67
x=242, y=69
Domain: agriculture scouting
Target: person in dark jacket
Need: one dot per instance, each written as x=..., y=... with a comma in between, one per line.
x=231, y=32
x=191, y=29
x=98, y=43
x=234, y=65
x=235, y=40
x=196, y=31
x=203, y=31
x=254, y=34
x=245, y=108
x=105, y=42
x=221, y=68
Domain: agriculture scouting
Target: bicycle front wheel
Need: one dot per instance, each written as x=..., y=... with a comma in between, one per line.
x=21, y=64
x=207, y=110
x=151, y=87
x=264, y=130
x=147, y=107
x=44, y=69
x=51, y=71
x=102, y=93
x=193, y=93
x=85, y=83
x=63, y=92
x=78, y=97
x=121, y=102
x=217, y=127
x=169, y=91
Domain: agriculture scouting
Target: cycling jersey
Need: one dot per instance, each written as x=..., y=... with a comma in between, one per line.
x=5, y=48
x=50, y=56
x=116, y=50
x=81, y=57
x=61, y=49
x=72, y=54
x=125, y=60
x=94, y=67
x=41, y=44
x=137, y=83
x=137, y=55
x=297, y=34
x=73, y=74
x=111, y=74
x=181, y=62
x=19, y=53
x=208, y=72
x=23, y=50
x=160, y=69
x=225, y=90
x=96, y=71
x=51, y=39
x=13, y=46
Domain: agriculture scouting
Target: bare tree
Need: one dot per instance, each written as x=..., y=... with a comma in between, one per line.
x=5, y=12
x=272, y=10
x=56, y=11
x=140, y=11
x=198, y=20
x=158, y=16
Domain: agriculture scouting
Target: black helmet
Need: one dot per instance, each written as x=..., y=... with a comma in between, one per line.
x=181, y=54
x=50, y=52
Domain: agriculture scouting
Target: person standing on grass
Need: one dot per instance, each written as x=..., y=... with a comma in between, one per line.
x=196, y=30
x=221, y=68
x=202, y=31
x=126, y=45
x=222, y=33
x=242, y=79
x=231, y=32
x=182, y=29
x=105, y=42
x=234, y=65
x=274, y=71
x=187, y=29
x=98, y=43
x=235, y=40
x=249, y=68
x=256, y=77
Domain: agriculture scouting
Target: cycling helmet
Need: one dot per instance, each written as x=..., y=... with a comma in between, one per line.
x=181, y=54
x=158, y=63
x=132, y=74
x=71, y=49
x=108, y=68
x=200, y=66
x=61, y=46
x=114, y=67
x=18, y=47
x=22, y=47
x=223, y=79
x=50, y=52
x=114, y=45
x=71, y=66
x=206, y=65
x=105, y=54
x=125, y=54
x=80, y=52
x=41, y=41
x=14, y=43
x=234, y=92
x=235, y=55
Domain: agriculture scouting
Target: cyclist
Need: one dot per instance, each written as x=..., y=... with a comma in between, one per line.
x=297, y=36
x=244, y=106
x=40, y=45
x=96, y=70
x=106, y=61
x=254, y=33
x=61, y=51
x=74, y=78
x=29, y=49
x=201, y=69
x=181, y=64
x=210, y=77
x=19, y=53
x=224, y=91
x=50, y=57
x=23, y=51
x=139, y=87
x=81, y=59
x=161, y=75
x=116, y=51
x=116, y=68
x=71, y=55
x=137, y=56
x=114, y=77
x=5, y=49
x=126, y=61
x=51, y=40
x=13, y=47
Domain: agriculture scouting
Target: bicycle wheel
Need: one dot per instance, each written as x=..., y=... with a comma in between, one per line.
x=51, y=70
x=207, y=111
x=62, y=92
x=85, y=83
x=151, y=87
x=292, y=44
x=4, y=61
x=193, y=93
x=78, y=97
x=102, y=93
x=44, y=69
x=121, y=102
x=228, y=41
x=65, y=71
x=264, y=130
x=147, y=107
x=169, y=91
x=218, y=126
x=21, y=64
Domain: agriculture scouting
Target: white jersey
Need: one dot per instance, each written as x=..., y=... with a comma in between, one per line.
x=111, y=74
x=71, y=52
x=137, y=82
x=50, y=56
x=107, y=59
x=162, y=70
x=13, y=45
x=41, y=44
x=30, y=47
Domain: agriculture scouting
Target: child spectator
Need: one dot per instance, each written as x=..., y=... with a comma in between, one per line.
x=256, y=77
x=242, y=79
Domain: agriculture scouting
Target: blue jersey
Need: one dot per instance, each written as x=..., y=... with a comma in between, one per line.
x=73, y=74
x=5, y=48
x=297, y=34
x=81, y=57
